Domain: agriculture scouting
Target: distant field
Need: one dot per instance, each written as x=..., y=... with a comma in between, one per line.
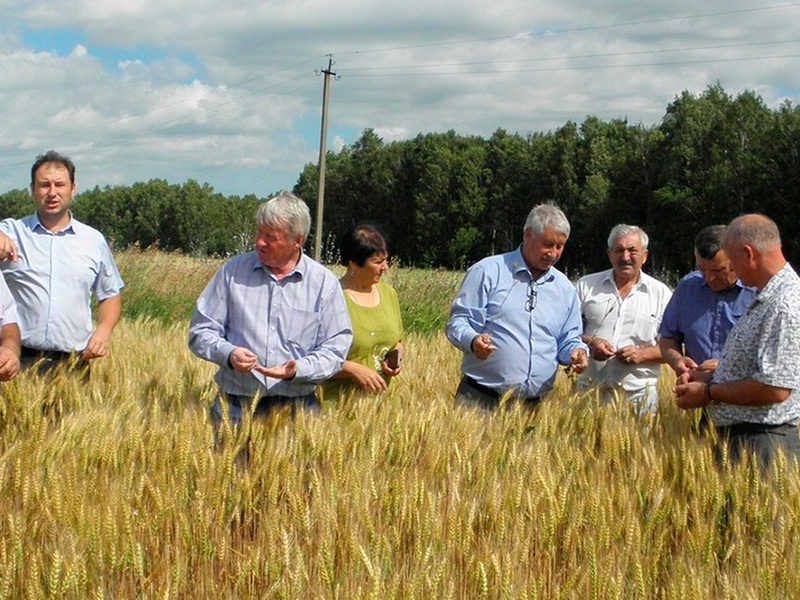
x=165, y=287
x=114, y=489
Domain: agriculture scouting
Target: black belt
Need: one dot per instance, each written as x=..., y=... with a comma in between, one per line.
x=471, y=383
x=751, y=428
x=48, y=354
x=244, y=401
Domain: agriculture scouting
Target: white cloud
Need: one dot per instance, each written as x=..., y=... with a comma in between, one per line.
x=226, y=92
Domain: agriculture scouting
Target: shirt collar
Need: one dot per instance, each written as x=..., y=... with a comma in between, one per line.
x=643, y=283
x=37, y=224
x=518, y=265
x=736, y=283
x=300, y=267
x=774, y=283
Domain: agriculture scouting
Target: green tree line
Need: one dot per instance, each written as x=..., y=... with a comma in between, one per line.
x=446, y=199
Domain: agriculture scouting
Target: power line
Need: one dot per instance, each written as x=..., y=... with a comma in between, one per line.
x=574, y=56
x=581, y=68
x=548, y=32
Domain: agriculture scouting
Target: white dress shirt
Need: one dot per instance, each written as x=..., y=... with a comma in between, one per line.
x=630, y=321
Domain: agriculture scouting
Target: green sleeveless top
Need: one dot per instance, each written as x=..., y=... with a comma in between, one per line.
x=376, y=330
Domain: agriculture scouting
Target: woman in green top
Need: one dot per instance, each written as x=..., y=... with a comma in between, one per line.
x=376, y=353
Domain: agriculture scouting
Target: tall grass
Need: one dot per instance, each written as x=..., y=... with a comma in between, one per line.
x=113, y=488
x=165, y=287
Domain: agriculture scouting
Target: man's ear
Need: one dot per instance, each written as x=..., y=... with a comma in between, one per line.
x=750, y=252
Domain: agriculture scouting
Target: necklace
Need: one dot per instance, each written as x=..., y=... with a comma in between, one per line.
x=366, y=298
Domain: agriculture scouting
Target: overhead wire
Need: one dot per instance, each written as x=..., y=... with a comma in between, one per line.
x=565, y=30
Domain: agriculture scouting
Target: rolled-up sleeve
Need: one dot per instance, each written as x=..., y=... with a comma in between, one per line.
x=207, y=328
x=468, y=312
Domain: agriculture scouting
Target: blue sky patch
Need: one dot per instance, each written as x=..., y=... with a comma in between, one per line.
x=63, y=41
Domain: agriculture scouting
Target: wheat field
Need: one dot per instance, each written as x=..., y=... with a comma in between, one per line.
x=114, y=488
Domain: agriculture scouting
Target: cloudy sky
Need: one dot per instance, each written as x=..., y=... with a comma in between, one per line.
x=228, y=93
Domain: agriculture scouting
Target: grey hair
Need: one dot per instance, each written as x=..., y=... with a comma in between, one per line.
x=286, y=211
x=546, y=215
x=757, y=230
x=708, y=241
x=622, y=230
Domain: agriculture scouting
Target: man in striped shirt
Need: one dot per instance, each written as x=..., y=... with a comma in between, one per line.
x=274, y=320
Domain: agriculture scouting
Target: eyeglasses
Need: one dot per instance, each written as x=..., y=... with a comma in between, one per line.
x=530, y=303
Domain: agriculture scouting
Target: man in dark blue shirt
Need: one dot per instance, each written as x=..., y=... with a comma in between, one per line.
x=704, y=307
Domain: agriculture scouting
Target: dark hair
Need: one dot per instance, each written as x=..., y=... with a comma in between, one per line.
x=708, y=241
x=53, y=156
x=359, y=243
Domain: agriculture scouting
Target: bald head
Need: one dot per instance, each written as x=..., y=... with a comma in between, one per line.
x=753, y=245
x=754, y=230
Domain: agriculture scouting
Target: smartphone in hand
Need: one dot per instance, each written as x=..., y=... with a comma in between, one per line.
x=394, y=359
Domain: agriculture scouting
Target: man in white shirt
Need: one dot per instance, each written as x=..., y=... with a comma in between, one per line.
x=622, y=309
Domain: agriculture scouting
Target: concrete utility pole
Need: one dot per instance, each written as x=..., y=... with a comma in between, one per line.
x=323, y=137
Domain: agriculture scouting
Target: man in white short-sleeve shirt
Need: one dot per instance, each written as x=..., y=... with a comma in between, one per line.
x=621, y=309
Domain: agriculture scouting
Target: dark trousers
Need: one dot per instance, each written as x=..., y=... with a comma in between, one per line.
x=762, y=440
x=239, y=405
x=47, y=362
x=472, y=394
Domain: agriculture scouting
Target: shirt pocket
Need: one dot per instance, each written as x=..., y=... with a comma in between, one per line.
x=303, y=332
x=645, y=330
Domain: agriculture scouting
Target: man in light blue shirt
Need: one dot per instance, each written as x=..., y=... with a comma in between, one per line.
x=52, y=264
x=274, y=320
x=516, y=317
x=704, y=307
x=9, y=334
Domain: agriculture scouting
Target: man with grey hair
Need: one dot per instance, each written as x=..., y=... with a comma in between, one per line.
x=753, y=396
x=622, y=308
x=516, y=317
x=274, y=320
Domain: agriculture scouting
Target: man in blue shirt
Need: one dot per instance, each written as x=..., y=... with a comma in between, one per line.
x=274, y=320
x=52, y=264
x=516, y=317
x=704, y=307
x=753, y=395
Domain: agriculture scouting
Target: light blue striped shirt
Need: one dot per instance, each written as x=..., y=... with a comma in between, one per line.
x=535, y=325
x=53, y=279
x=302, y=317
